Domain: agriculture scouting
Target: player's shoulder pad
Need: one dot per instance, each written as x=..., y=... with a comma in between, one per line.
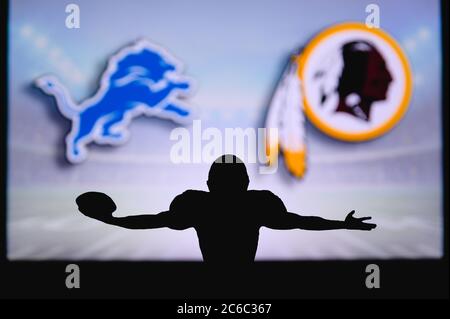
x=263, y=194
x=189, y=196
x=268, y=200
x=192, y=193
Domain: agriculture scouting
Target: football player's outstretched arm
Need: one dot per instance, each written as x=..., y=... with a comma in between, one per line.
x=141, y=221
x=293, y=221
x=277, y=217
x=100, y=206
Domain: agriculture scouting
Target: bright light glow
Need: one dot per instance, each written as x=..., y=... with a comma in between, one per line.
x=26, y=31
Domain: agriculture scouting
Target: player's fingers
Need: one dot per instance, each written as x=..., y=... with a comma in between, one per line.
x=351, y=213
x=369, y=226
x=364, y=218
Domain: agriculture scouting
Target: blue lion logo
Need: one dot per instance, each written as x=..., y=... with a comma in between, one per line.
x=140, y=79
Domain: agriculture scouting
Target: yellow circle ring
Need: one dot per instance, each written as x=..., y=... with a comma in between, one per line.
x=378, y=131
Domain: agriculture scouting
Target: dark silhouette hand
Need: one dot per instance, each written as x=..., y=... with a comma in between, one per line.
x=358, y=223
x=96, y=205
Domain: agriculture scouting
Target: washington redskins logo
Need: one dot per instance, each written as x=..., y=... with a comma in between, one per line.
x=352, y=82
x=356, y=82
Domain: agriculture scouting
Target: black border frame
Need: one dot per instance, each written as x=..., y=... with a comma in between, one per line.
x=424, y=278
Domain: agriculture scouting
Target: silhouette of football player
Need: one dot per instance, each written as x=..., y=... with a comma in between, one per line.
x=227, y=219
x=365, y=79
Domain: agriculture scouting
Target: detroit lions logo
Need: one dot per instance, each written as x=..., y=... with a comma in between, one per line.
x=141, y=79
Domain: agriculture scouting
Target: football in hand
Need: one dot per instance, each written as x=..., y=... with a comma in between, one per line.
x=96, y=205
